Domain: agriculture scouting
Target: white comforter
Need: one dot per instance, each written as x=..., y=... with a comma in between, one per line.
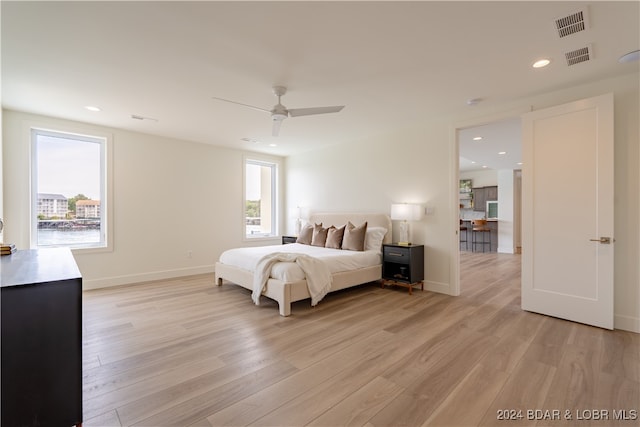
x=337, y=260
x=318, y=275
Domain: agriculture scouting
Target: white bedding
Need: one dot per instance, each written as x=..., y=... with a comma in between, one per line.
x=337, y=260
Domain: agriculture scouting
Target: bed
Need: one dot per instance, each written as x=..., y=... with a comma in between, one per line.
x=286, y=285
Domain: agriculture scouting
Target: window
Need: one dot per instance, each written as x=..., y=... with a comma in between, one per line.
x=260, y=198
x=69, y=199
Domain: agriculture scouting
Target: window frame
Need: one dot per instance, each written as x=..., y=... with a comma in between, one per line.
x=106, y=193
x=275, y=191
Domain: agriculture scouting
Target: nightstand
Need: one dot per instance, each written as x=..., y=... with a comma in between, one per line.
x=288, y=239
x=403, y=265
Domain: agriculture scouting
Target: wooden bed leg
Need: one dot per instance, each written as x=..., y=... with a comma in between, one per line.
x=284, y=304
x=219, y=281
x=285, y=309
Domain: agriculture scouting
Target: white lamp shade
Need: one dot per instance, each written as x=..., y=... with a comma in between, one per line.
x=406, y=212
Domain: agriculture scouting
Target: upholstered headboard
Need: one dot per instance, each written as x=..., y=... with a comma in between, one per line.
x=341, y=218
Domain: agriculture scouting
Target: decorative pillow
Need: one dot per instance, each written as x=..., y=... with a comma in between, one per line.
x=334, y=237
x=354, y=237
x=319, y=235
x=306, y=234
x=373, y=238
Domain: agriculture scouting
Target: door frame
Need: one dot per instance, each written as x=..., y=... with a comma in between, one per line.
x=454, y=268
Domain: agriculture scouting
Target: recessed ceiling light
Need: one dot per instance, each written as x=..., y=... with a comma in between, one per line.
x=273, y=145
x=477, y=138
x=519, y=163
x=541, y=63
x=485, y=166
x=473, y=162
x=502, y=153
x=92, y=108
x=473, y=101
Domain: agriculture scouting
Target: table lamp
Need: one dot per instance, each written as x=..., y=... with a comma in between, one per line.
x=405, y=212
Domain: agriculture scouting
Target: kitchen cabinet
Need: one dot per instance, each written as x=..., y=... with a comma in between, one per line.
x=479, y=199
x=483, y=194
x=491, y=193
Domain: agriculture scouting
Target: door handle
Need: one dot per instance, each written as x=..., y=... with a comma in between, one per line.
x=603, y=240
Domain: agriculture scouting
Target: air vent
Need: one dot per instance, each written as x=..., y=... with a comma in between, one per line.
x=574, y=23
x=137, y=117
x=577, y=56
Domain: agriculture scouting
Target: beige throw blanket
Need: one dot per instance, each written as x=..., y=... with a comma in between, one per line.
x=318, y=275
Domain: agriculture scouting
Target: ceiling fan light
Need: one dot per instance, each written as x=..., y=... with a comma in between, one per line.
x=630, y=57
x=278, y=116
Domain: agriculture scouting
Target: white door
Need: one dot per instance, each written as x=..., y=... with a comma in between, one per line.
x=567, y=211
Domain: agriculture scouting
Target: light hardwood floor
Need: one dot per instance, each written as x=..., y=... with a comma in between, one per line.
x=184, y=352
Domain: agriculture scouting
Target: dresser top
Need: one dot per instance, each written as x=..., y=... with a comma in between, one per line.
x=37, y=266
x=404, y=245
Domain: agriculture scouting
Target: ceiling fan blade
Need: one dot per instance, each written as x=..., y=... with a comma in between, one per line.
x=295, y=112
x=240, y=103
x=276, y=127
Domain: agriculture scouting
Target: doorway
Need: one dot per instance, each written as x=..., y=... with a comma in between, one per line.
x=489, y=161
x=554, y=280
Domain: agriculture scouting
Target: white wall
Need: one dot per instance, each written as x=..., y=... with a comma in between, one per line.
x=417, y=165
x=1, y=179
x=506, y=209
x=481, y=178
x=170, y=197
x=370, y=175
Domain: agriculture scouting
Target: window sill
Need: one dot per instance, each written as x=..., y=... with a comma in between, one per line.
x=262, y=239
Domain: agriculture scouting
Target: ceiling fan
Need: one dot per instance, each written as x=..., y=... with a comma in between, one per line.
x=279, y=112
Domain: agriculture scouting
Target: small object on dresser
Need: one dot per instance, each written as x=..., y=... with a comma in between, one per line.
x=7, y=249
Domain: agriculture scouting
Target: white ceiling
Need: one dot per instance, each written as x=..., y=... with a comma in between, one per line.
x=499, y=148
x=392, y=64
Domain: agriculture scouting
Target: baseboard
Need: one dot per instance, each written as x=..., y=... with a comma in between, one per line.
x=441, y=288
x=626, y=323
x=128, y=279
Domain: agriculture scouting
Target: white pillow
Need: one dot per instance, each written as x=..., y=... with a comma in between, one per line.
x=373, y=238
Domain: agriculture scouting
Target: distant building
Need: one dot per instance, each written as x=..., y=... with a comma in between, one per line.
x=88, y=209
x=52, y=205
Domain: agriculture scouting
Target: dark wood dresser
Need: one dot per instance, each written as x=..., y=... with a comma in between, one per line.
x=41, y=305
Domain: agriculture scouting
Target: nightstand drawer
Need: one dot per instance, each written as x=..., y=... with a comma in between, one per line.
x=396, y=254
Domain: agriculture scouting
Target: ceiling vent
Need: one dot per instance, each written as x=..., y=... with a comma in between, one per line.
x=571, y=24
x=579, y=55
